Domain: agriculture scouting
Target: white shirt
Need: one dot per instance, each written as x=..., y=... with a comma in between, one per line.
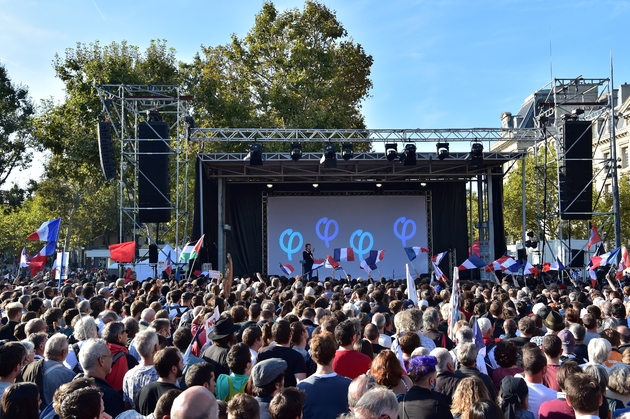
x=385, y=341
x=538, y=394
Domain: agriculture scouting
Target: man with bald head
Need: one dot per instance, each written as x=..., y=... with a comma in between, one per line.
x=195, y=403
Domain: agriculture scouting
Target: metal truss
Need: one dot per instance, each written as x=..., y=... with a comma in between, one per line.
x=126, y=106
x=577, y=99
x=365, y=135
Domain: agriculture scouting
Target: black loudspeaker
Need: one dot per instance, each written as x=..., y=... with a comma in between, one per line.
x=153, y=177
x=106, y=150
x=576, y=171
x=153, y=253
x=577, y=258
x=521, y=254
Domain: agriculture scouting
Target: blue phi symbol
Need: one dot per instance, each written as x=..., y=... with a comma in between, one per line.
x=401, y=231
x=361, y=250
x=327, y=236
x=288, y=247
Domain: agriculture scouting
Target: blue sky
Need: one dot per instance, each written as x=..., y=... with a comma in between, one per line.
x=437, y=64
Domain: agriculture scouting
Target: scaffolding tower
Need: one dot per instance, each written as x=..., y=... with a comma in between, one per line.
x=126, y=107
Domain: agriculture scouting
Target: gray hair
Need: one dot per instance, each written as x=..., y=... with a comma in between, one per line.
x=598, y=372
x=598, y=350
x=358, y=387
x=609, y=323
x=145, y=343
x=484, y=324
x=578, y=331
x=431, y=318
x=464, y=334
x=148, y=314
x=409, y=320
x=34, y=325
x=378, y=320
x=467, y=354
x=376, y=403
x=350, y=310
x=443, y=357
x=28, y=345
x=419, y=351
x=90, y=352
x=108, y=316
x=111, y=331
x=84, y=306
x=618, y=376
x=84, y=327
x=55, y=347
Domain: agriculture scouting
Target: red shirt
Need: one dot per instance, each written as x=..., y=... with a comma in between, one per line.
x=549, y=379
x=556, y=409
x=351, y=364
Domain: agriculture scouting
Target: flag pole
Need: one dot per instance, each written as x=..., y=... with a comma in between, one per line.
x=414, y=268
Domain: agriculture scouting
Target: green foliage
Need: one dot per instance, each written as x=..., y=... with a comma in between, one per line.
x=16, y=112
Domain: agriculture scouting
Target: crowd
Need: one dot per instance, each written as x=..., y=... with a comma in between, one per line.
x=286, y=348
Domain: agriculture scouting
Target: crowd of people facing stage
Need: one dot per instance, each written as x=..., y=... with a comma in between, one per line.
x=297, y=347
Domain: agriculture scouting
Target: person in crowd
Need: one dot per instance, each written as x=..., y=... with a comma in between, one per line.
x=20, y=401
x=325, y=383
x=115, y=334
x=558, y=408
x=252, y=337
x=619, y=383
x=358, y=387
x=514, y=398
x=420, y=401
x=84, y=403
x=144, y=373
x=387, y=371
x=600, y=375
x=267, y=380
x=348, y=362
x=580, y=350
x=201, y=374
x=583, y=394
x=468, y=391
x=505, y=355
x=169, y=365
x=287, y=404
x=484, y=409
x=195, y=403
x=243, y=406
x=535, y=366
x=84, y=328
x=296, y=367
x=51, y=411
x=552, y=349
x=467, y=357
x=182, y=338
x=598, y=352
x=446, y=381
x=13, y=312
x=12, y=357
x=378, y=402
x=240, y=364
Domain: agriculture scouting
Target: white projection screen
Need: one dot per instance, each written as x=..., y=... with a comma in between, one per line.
x=362, y=223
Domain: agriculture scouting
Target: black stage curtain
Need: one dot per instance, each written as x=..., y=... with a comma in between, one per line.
x=449, y=219
x=209, y=253
x=244, y=214
x=500, y=245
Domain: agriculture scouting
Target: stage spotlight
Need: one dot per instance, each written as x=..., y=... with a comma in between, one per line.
x=315, y=185
x=296, y=151
x=378, y=185
x=442, y=150
x=476, y=154
x=346, y=151
x=329, y=159
x=270, y=185
x=409, y=155
x=153, y=115
x=391, y=151
x=255, y=155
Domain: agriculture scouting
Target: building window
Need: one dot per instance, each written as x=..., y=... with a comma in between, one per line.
x=607, y=189
x=606, y=156
x=624, y=157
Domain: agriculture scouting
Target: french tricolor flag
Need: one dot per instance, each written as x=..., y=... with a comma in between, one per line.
x=25, y=258
x=473, y=262
x=594, y=237
x=286, y=268
x=605, y=259
x=510, y=265
x=438, y=258
x=47, y=232
x=332, y=263
x=496, y=265
x=529, y=269
x=414, y=251
x=343, y=254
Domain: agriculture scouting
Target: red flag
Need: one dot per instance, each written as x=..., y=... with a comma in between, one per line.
x=594, y=238
x=37, y=264
x=546, y=267
x=123, y=252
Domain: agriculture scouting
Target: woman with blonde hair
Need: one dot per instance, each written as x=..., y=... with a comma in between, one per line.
x=388, y=372
x=468, y=391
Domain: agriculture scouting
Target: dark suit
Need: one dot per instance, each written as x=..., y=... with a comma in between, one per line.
x=307, y=256
x=421, y=403
x=464, y=372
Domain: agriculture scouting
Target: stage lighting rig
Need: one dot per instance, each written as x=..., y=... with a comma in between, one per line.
x=476, y=154
x=346, y=151
x=442, y=150
x=329, y=159
x=255, y=155
x=391, y=151
x=296, y=151
x=409, y=155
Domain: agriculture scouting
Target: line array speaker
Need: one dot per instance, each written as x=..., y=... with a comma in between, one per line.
x=576, y=171
x=153, y=176
x=106, y=150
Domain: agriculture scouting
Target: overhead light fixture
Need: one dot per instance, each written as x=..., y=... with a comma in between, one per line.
x=329, y=159
x=476, y=154
x=409, y=155
x=391, y=151
x=378, y=185
x=346, y=151
x=270, y=185
x=442, y=150
x=315, y=185
x=423, y=184
x=255, y=155
x=296, y=151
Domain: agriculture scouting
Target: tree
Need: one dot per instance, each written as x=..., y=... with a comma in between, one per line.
x=294, y=69
x=16, y=112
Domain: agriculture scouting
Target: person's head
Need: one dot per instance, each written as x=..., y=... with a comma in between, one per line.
x=114, y=332
x=483, y=409
x=422, y=370
x=505, y=354
x=84, y=403
x=513, y=394
x=386, y=369
x=168, y=363
x=467, y=354
x=281, y=332
x=239, y=359
x=56, y=347
x=583, y=393
x=182, y=338
x=527, y=326
x=378, y=402
x=95, y=357
x=612, y=336
x=468, y=391
x=21, y=400
x=195, y=403
x=444, y=360
x=243, y=406
x=598, y=350
x=371, y=333
x=619, y=378
x=566, y=369
x=378, y=320
x=165, y=402
x=70, y=387
x=409, y=342
x=578, y=331
x=252, y=337
x=346, y=333
x=268, y=376
x=599, y=374
x=552, y=346
x=534, y=363
x=201, y=374
x=35, y=326
x=323, y=348
x=12, y=356
x=146, y=343
x=358, y=387
x=287, y=404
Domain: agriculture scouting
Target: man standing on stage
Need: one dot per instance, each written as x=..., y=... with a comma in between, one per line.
x=307, y=257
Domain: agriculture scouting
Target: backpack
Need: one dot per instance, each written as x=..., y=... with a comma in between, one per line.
x=233, y=392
